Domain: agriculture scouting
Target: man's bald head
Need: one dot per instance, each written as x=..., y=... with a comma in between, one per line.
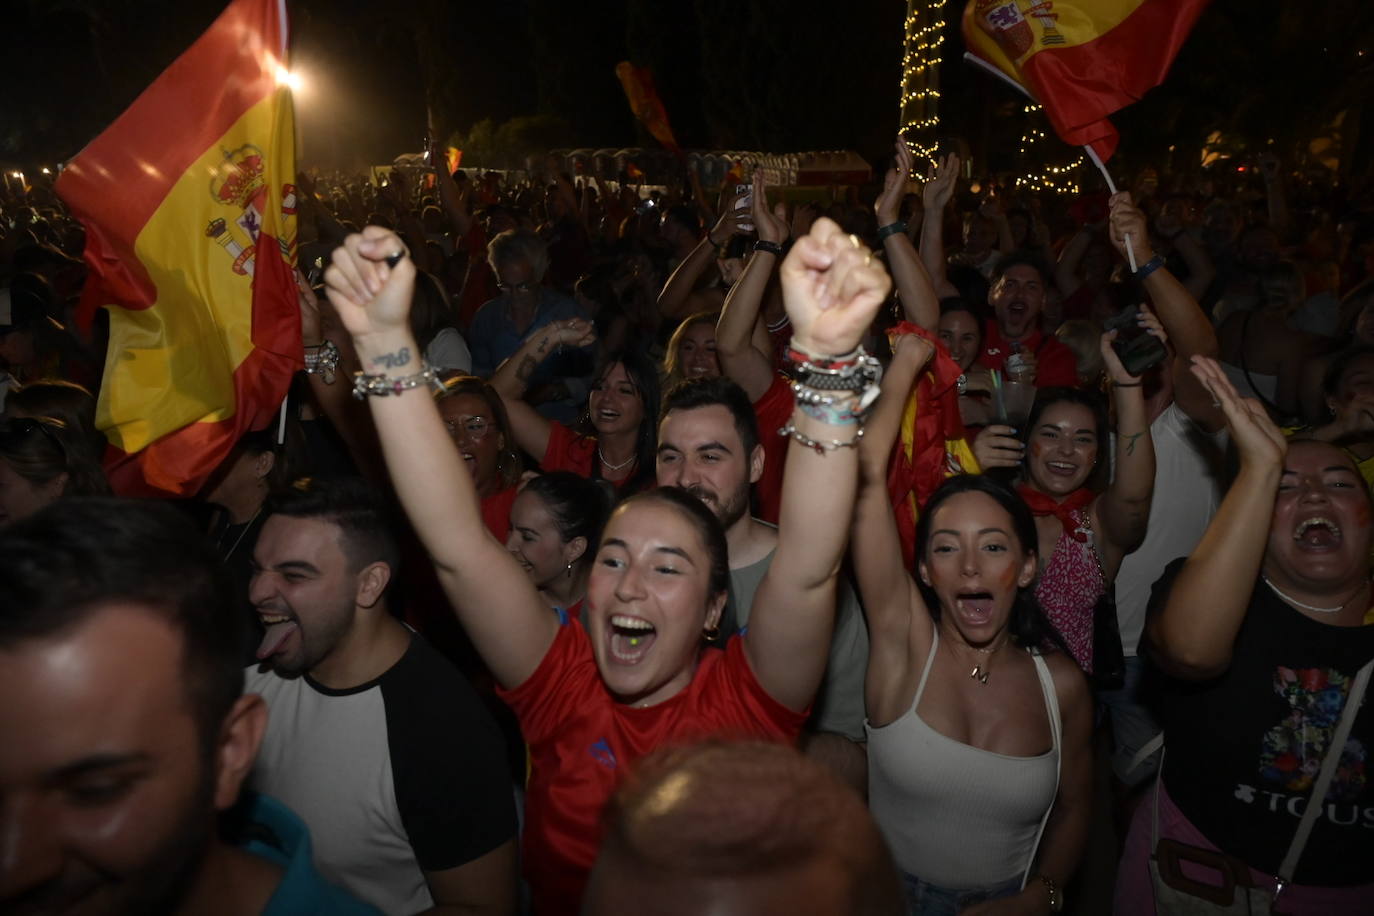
x=740, y=828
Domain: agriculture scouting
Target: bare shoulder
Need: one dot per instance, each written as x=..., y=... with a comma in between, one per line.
x=1070, y=685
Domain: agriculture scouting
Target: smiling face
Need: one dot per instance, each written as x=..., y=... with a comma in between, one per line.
x=1062, y=450
x=1018, y=298
x=975, y=564
x=696, y=351
x=535, y=541
x=1320, y=536
x=615, y=404
x=960, y=334
x=699, y=449
x=305, y=591
x=648, y=599
x=473, y=429
x=108, y=793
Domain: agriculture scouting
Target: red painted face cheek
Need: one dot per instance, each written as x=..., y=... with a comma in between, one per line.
x=1008, y=578
x=1036, y=449
x=1362, y=514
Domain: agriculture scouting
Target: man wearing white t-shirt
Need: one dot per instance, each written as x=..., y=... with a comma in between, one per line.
x=373, y=738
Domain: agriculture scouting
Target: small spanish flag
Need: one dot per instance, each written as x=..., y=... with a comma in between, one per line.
x=1080, y=59
x=189, y=205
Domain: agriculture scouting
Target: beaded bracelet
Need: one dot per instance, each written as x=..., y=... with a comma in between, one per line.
x=384, y=385
x=323, y=362
x=897, y=228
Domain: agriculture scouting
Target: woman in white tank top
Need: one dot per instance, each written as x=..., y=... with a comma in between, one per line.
x=978, y=730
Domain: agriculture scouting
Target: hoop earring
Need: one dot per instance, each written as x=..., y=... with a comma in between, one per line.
x=711, y=633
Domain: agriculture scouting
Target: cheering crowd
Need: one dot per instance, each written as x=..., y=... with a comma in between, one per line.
x=635, y=549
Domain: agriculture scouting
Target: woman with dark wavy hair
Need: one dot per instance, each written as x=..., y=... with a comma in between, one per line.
x=978, y=722
x=617, y=438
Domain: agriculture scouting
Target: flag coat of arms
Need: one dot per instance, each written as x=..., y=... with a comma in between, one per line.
x=188, y=201
x=1080, y=59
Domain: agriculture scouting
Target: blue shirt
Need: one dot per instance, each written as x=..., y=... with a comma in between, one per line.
x=493, y=336
x=302, y=891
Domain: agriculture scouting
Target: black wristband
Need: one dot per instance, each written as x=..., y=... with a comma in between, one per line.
x=1149, y=267
x=897, y=228
x=1126, y=384
x=770, y=247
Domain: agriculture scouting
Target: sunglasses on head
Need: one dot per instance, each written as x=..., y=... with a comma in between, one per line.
x=19, y=428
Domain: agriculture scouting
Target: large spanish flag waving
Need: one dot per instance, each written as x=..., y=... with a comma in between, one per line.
x=645, y=102
x=188, y=200
x=1080, y=59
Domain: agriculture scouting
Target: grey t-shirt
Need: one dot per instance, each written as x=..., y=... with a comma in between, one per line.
x=839, y=704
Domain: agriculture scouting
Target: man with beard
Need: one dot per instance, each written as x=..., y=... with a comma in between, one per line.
x=374, y=738
x=1017, y=299
x=125, y=731
x=708, y=444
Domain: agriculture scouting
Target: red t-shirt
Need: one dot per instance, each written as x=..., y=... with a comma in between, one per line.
x=496, y=512
x=581, y=741
x=773, y=410
x=1055, y=363
x=567, y=451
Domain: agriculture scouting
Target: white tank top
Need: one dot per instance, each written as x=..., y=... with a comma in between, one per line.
x=954, y=815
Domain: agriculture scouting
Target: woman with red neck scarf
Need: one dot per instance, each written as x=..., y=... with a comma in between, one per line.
x=1085, y=526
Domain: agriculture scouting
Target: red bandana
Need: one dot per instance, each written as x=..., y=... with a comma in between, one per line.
x=1041, y=505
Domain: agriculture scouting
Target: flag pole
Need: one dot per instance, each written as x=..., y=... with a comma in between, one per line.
x=1111, y=186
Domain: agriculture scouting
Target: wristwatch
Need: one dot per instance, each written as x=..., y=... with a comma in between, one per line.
x=1056, y=898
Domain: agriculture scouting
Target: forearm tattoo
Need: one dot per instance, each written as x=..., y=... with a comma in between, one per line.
x=525, y=369
x=393, y=360
x=1131, y=441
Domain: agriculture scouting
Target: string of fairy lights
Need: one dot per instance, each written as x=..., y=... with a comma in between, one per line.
x=1057, y=179
x=920, y=99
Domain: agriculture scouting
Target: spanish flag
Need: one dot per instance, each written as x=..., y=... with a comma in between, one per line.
x=638, y=83
x=1080, y=59
x=188, y=200
x=931, y=445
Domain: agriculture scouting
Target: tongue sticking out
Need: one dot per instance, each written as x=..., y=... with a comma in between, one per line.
x=277, y=634
x=630, y=647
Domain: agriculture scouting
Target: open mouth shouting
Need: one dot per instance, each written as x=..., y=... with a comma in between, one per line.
x=630, y=638
x=1317, y=534
x=975, y=607
x=607, y=414
x=1065, y=469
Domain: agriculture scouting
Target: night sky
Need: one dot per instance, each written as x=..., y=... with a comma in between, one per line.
x=781, y=75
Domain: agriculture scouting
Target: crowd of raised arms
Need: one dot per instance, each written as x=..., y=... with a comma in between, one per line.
x=931, y=547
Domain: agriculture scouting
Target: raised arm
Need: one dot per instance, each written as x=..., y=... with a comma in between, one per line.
x=914, y=289
x=935, y=196
x=1066, y=268
x=892, y=602
x=675, y=301
x=1124, y=510
x=498, y=605
x=740, y=359
x=512, y=377
x=455, y=203
x=832, y=288
x=1194, y=634
x=1188, y=329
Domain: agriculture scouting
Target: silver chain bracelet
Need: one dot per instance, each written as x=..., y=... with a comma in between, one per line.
x=384, y=385
x=818, y=445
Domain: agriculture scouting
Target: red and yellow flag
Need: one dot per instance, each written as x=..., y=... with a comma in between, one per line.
x=189, y=205
x=932, y=445
x=638, y=83
x=1080, y=59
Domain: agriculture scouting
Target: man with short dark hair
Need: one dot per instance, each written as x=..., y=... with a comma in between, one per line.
x=125, y=730
x=708, y=444
x=375, y=739
x=1017, y=298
